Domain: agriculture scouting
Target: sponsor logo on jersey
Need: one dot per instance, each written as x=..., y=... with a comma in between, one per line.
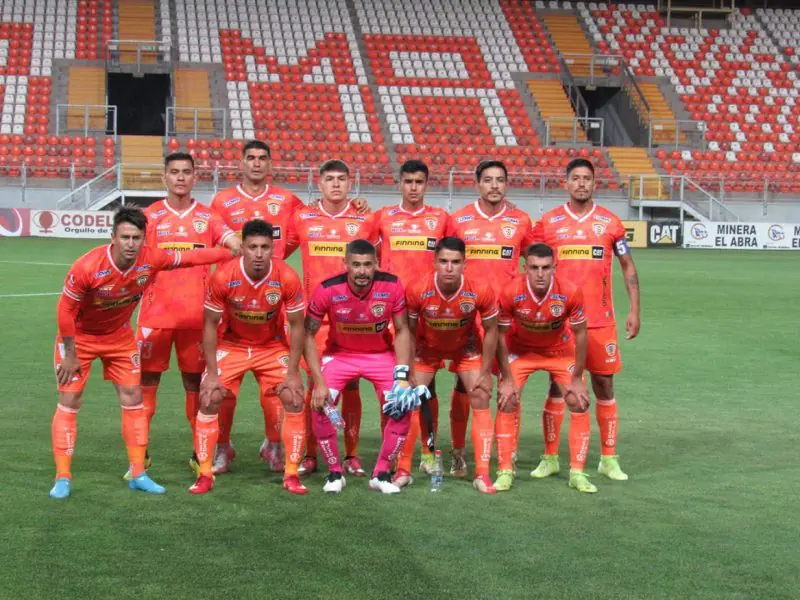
x=520, y=297
x=273, y=298
x=361, y=328
x=479, y=251
x=143, y=268
x=432, y=309
x=469, y=295
x=253, y=316
x=380, y=295
x=446, y=324
x=541, y=325
x=580, y=252
x=556, y=219
x=465, y=219
x=120, y=303
x=558, y=297
x=378, y=309
x=234, y=283
x=103, y=273
x=230, y=202
x=276, y=232
x=340, y=298
x=159, y=213
x=602, y=219
x=327, y=248
x=512, y=220
x=179, y=246
x=428, y=294
x=203, y=215
x=417, y=243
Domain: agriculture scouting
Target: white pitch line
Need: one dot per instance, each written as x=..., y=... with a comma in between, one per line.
x=30, y=295
x=27, y=262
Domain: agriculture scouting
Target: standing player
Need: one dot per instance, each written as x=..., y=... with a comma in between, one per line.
x=358, y=305
x=496, y=235
x=322, y=233
x=407, y=235
x=171, y=312
x=585, y=236
x=535, y=309
x=442, y=311
x=100, y=293
x=251, y=293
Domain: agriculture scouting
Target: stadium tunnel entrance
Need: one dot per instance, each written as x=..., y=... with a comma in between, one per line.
x=141, y=102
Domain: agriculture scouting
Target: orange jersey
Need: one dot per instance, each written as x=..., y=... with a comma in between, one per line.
x=252, y=309
x=99, y=299
x=323, y=238
x=175, y=299
x=447, y=324
x=538, y=324
x=585, y=248
x=494, y=244
x=274, y=205
x=407, y=239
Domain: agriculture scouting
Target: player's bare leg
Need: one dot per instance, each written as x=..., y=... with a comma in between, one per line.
x=135, y=431
x=206, y=433
x=459, y=419
x=482, y=429
x=293, y=433
x=552, y=419
x=606, y=414
x=402, y=476
x=64, y=432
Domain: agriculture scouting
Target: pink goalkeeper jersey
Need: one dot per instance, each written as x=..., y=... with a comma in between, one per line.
x=358, y=323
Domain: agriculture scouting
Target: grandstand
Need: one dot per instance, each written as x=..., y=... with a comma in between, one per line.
x=698, y=117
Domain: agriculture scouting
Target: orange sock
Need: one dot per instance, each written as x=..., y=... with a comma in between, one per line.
x=579, y=434
x=192, y=405
x=459, y=418
x=272, y=407
x=293, y=432
x=351, y=413
x=64, y=432
x=311, y=440
x=552, y=418
x=206, y=434
x=606, y=413
x=407, y=452
x=504, y=425
x=135, y=429
x=226, y=412
x=149, y=397
x=434, y=404
x=482, y=439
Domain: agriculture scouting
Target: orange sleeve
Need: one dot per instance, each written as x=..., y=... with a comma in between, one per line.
x=373, y=229
x=220, y=232
x=216, y=204
x=292, y=236
x=297, y=204
x=576, y=316
x=413, y=301
x=76, y=285
x=537, y=232
x=506, y=306
x=529, y=238
x=487, y=303
x=450, y=229
x=215, y=294
x=292, y=290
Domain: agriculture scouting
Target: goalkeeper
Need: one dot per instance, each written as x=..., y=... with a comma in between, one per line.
x=359, y=304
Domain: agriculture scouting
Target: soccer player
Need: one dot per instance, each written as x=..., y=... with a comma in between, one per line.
x=251, y=293
x=535, y=309
x=442, y=312
x=171, y=313
x=407, y=235
x=496, y=235
x=322, y=233
x=358, y=305
x=585, y=236
x=100, y=293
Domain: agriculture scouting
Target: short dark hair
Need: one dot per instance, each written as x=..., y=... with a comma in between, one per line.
x=451, y=242
x=360, y=247
x=414, y=166
x=132, y=216
x=334, y=165
x=256, y=145
x=539, y=251
x=488, y=164
x=577, y=163
x=176, y=156
x=255, y=228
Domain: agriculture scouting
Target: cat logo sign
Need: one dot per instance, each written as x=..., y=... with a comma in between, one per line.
x=664, y=234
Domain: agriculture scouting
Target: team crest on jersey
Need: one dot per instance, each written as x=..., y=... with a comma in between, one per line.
x=556, y=309
x=135, y=360
x=466, y=307
x=141, y=281
x=273, y=209
x=273, y=298
x=351, y=228
x=283, y=360
x=430, y=223
x=378, y=309
x=508, y=232
x=598, y=228
x=611, y=349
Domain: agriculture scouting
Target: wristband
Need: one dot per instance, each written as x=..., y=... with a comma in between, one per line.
x=401, y=373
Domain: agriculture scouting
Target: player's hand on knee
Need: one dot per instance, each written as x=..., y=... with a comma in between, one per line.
x=577, y=395
x=292, y=384
x=507, y=395
x=483, y=384
x=67, y=369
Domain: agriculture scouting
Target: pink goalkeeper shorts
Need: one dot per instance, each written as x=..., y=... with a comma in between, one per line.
x=343, y=367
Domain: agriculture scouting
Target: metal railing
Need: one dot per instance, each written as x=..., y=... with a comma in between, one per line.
x=136, y=53
x=679, y=188
x=96, y=119
x=574, y=130
x=94, y=190
x=196, y=121
x=573, y=91
x=591, y=69
x=674, y=133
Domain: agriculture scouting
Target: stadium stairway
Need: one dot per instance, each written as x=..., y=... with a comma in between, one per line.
x=568, y=37
x=192, y=88
x=137, y=21
x=141, y=162
x=552, y=101
x=86, y=85
x=635, y=161
x=660, y=111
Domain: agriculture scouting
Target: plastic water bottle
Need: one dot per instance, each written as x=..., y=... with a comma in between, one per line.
x=437, y=477
x=334, y=416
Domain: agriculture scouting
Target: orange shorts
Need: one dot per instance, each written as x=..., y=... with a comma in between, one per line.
x=559, y=366
x=602, y=353
x=267, y=363
x=117, y=350
x=428, y=361
x=155, y=346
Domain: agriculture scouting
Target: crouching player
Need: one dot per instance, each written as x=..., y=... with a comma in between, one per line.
x=358, y=304
x=534, y=309
x=442, y=312
x=250, y=293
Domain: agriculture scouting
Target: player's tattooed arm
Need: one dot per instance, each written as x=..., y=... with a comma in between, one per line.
x=632, y=323
x=320, y=393
x=312, y=325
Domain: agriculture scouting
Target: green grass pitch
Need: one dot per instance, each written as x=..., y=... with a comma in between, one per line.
x=708, y=408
